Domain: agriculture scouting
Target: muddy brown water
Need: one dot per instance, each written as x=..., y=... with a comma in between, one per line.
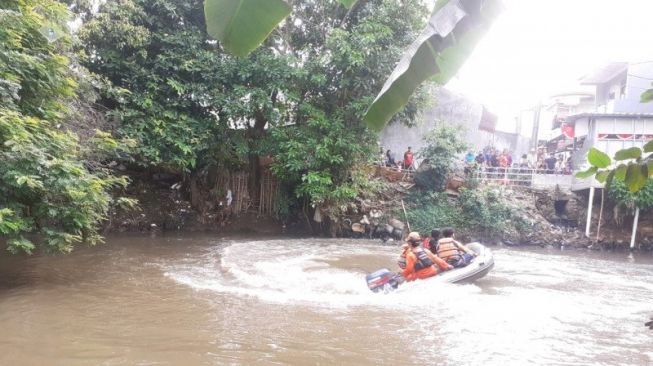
x=200, y=300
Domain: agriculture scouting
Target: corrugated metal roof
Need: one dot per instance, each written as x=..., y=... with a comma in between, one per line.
x=609, y=115
x=604, y=74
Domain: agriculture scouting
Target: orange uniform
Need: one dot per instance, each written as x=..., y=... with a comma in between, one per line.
x=415, y=260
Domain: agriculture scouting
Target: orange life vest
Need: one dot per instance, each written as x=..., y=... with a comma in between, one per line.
x=423, y=260
x=448, y=250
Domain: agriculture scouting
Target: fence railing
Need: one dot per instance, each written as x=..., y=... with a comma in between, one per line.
x=522, y=177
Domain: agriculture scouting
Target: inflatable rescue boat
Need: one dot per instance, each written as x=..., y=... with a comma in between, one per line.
x=386, y=280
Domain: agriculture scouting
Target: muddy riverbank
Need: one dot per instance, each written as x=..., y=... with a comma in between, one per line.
x=549, y=217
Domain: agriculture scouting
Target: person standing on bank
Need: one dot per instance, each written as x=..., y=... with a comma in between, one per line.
x=408, y=159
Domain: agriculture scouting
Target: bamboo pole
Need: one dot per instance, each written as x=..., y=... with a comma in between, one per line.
x=405, y=215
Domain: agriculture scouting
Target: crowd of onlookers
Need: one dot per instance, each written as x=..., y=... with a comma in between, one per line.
x=493, y=160
x=387, y=159
x=489, y=159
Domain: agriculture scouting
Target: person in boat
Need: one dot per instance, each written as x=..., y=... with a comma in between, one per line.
x=431, y=241
x=401, y=262
x=420, y=262
x=453, y=252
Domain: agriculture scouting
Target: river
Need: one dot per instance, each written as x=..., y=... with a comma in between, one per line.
x=200, y=300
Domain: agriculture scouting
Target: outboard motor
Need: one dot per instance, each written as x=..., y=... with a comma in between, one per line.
x=383, y=280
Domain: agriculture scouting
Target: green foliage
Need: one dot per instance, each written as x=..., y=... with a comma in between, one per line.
x=436, y=54
x=484, y=211
x=433, y=210
x=647, y=96
x=587, y=173
x=648, y=147
x=598, y=158
x=46, y=190
x=642, y=199
x=299, y=98
x=242, y=25
x=444, y=144
x=186, y=105
x=317, y=157
x=627, y=154
x=635, y=174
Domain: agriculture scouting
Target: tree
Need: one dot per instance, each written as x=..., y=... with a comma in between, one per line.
x=47, y=193
x=452, y=32
x=444, y=144
x=298, y=98
x=348, y=55
x=188, y=105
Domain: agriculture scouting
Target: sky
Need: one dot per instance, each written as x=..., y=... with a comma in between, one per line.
x=537, y=48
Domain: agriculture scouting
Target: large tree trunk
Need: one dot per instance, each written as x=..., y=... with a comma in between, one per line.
x=256, y=134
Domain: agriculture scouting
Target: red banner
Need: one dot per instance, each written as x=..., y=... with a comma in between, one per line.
x=568, y=130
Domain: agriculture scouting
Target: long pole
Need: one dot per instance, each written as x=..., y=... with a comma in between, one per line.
x=635, y=222
x=405, y=215
x=598, y=229
x=536, y=128
x=589, y=212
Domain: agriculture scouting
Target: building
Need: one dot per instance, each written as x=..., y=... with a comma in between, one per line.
x=618, y=120
x=615, y=120
x=619, y=86
x=478, y=124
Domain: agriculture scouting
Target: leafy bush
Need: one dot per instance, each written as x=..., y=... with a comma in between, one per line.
x=643, y=198
x=444, y=144
x=317, y=158
x=46, y=188
x=432, y=210
x=481, y=211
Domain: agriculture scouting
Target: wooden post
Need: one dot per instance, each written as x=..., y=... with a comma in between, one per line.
x=635, y=222
x=589, y=212
x=405, y=215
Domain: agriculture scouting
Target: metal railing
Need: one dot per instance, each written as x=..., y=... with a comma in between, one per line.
x=521, y=177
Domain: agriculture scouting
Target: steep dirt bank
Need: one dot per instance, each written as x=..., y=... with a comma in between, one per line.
x=164, y=206
x=552, y=217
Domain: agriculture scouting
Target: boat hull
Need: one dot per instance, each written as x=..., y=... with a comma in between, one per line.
x=386, y=280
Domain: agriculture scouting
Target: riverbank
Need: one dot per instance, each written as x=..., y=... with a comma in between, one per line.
x=495, y=215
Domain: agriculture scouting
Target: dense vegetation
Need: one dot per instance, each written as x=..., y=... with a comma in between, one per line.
x=642, y=199
x=476, y=211
x=443, y=148
x=299, y=98
x=482, y=212
x=50, y=191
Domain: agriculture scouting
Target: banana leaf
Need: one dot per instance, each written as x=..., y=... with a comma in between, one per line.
x=454, y=29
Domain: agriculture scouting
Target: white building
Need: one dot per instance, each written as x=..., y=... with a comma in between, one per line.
x=618, y=119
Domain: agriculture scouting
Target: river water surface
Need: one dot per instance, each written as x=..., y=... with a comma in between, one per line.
x=198, y=300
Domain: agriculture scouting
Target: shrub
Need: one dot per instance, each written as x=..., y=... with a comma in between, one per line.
x=483, y=212
x=444, y=144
